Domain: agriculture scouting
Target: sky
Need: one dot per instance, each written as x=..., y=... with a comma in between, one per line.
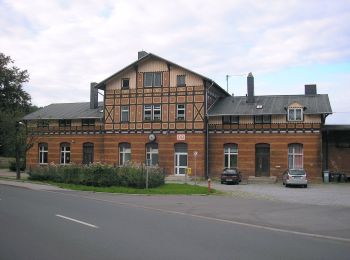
x=66, y=44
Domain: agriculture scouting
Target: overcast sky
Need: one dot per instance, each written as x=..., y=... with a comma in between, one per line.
x=66, y=44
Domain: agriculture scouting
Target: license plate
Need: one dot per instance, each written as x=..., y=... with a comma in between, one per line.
x=228, y=179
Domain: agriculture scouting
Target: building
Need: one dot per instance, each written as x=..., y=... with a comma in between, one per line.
x=157, y=112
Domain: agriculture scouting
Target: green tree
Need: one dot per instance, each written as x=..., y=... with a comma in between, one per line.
x=14, y=104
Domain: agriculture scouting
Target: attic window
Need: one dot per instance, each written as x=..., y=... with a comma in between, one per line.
x=259, y=106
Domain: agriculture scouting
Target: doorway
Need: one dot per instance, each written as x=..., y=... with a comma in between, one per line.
x=262, y=160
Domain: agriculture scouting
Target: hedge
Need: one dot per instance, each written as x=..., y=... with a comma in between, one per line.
x=99, y=175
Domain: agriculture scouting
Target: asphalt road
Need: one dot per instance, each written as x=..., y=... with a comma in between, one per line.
x=38, y=224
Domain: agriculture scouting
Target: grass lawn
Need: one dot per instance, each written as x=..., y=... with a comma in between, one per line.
x=171, y=188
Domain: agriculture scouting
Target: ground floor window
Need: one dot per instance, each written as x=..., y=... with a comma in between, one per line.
x=88, y=153
x=124, y=153
x=43, y=153
x=181, y=156
x=152, y=154
x=231, y=155
x=295, y=156
x=65, y=153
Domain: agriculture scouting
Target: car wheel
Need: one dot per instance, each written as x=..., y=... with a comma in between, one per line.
x=286, y=185
x=305, y=186
x=222, y=182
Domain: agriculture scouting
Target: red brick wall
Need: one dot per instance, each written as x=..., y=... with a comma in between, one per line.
x=278, y=152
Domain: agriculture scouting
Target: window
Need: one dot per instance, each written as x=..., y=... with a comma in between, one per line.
x=65, y=153
x=43, y=123
x=231, y=155
x=125, y=114
x=43, y=153
x=263, y=119
x=124, y=153
x=88, y=122
x=152, y=154
x=180, y=112
x=181, y=80
x=152, y=79
x=152, y=113
x=295, y=114
x=295, y=156
x=125, y=83
x=230, y=119
x=64, y=123
x=88, y=153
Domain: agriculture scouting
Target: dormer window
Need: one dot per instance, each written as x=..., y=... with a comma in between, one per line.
x=125, y=83
x=295, y=114
x=262, y=119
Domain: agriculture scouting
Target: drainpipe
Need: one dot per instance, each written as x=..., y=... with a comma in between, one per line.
x=207, y=132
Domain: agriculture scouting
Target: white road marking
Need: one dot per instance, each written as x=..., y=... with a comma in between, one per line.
x=288, y=231
x=77, y=221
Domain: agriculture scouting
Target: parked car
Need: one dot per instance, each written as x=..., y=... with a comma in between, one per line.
x=231, y=175
x=294, y=177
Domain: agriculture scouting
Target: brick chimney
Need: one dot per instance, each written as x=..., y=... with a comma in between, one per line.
x=250, y=88
x=93, y=95
x=310, y=89
x=141, y=54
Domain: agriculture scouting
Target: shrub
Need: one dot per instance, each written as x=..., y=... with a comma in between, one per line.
x=12, y=165
x=99, y=175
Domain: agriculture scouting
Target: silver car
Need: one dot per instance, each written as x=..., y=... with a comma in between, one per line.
x=294, y=177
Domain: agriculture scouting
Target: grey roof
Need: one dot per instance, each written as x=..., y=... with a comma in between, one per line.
x=101, y=85
x=271, y=105
x=67, y=111
x=337, y=127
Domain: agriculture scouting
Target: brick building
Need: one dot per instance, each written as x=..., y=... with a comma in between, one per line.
x=158, y=112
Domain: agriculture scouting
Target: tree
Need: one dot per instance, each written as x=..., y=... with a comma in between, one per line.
x=14, y=104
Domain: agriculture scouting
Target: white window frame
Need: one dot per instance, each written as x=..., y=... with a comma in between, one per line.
x=43, y=149
x=124, y=149
x=124, y=80
x=124, y=110
x=292, y=154
x=294, y=114
x=151, y=150
x=152, y=112
x=181, y=112
x=65, y=154
x=230, y=149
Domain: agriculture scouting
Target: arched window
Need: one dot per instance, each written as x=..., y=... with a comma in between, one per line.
x=231, y=155
x=152, y=154
x=124, y=153
x=65, y=153
x=181, y=156
x=43, y=153
x=295, y=156
x=88, y=153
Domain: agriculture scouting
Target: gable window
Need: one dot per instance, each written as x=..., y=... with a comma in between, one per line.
x=88, y=122
x=295, y=156
x=65, y=153
x=124, y=153
x=43, y=153
x=43, y=123
x=125, y=114
x=152, y=113
x=125, y=83
x=152, y=154
x=88, y=153
x=231, y=155
x=64, y=123
x=262, y=119
x=180, y=112
x=152, y=79
x=181, y=80
x=230, y=119
x=295, y=114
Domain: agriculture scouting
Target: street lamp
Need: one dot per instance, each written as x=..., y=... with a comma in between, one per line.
x=17, y=148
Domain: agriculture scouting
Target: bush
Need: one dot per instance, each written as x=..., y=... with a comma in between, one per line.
x=99, y=175
x=12, y=165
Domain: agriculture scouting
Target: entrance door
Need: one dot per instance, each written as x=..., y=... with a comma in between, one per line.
x=262, y=160
x=180, y=159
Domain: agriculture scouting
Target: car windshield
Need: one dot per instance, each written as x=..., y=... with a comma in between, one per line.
x=230, y=171
x=297, y=172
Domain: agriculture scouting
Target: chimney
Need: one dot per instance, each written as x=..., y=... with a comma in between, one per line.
x=250, y=88
x=141, y=54
x=93, y=95
x=310, y=89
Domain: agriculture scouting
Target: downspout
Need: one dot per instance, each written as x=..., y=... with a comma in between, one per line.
x=207, y=132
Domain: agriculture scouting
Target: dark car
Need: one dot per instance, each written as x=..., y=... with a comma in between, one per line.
x=231, y=175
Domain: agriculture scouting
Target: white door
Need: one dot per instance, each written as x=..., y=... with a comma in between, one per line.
x=180, y=163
